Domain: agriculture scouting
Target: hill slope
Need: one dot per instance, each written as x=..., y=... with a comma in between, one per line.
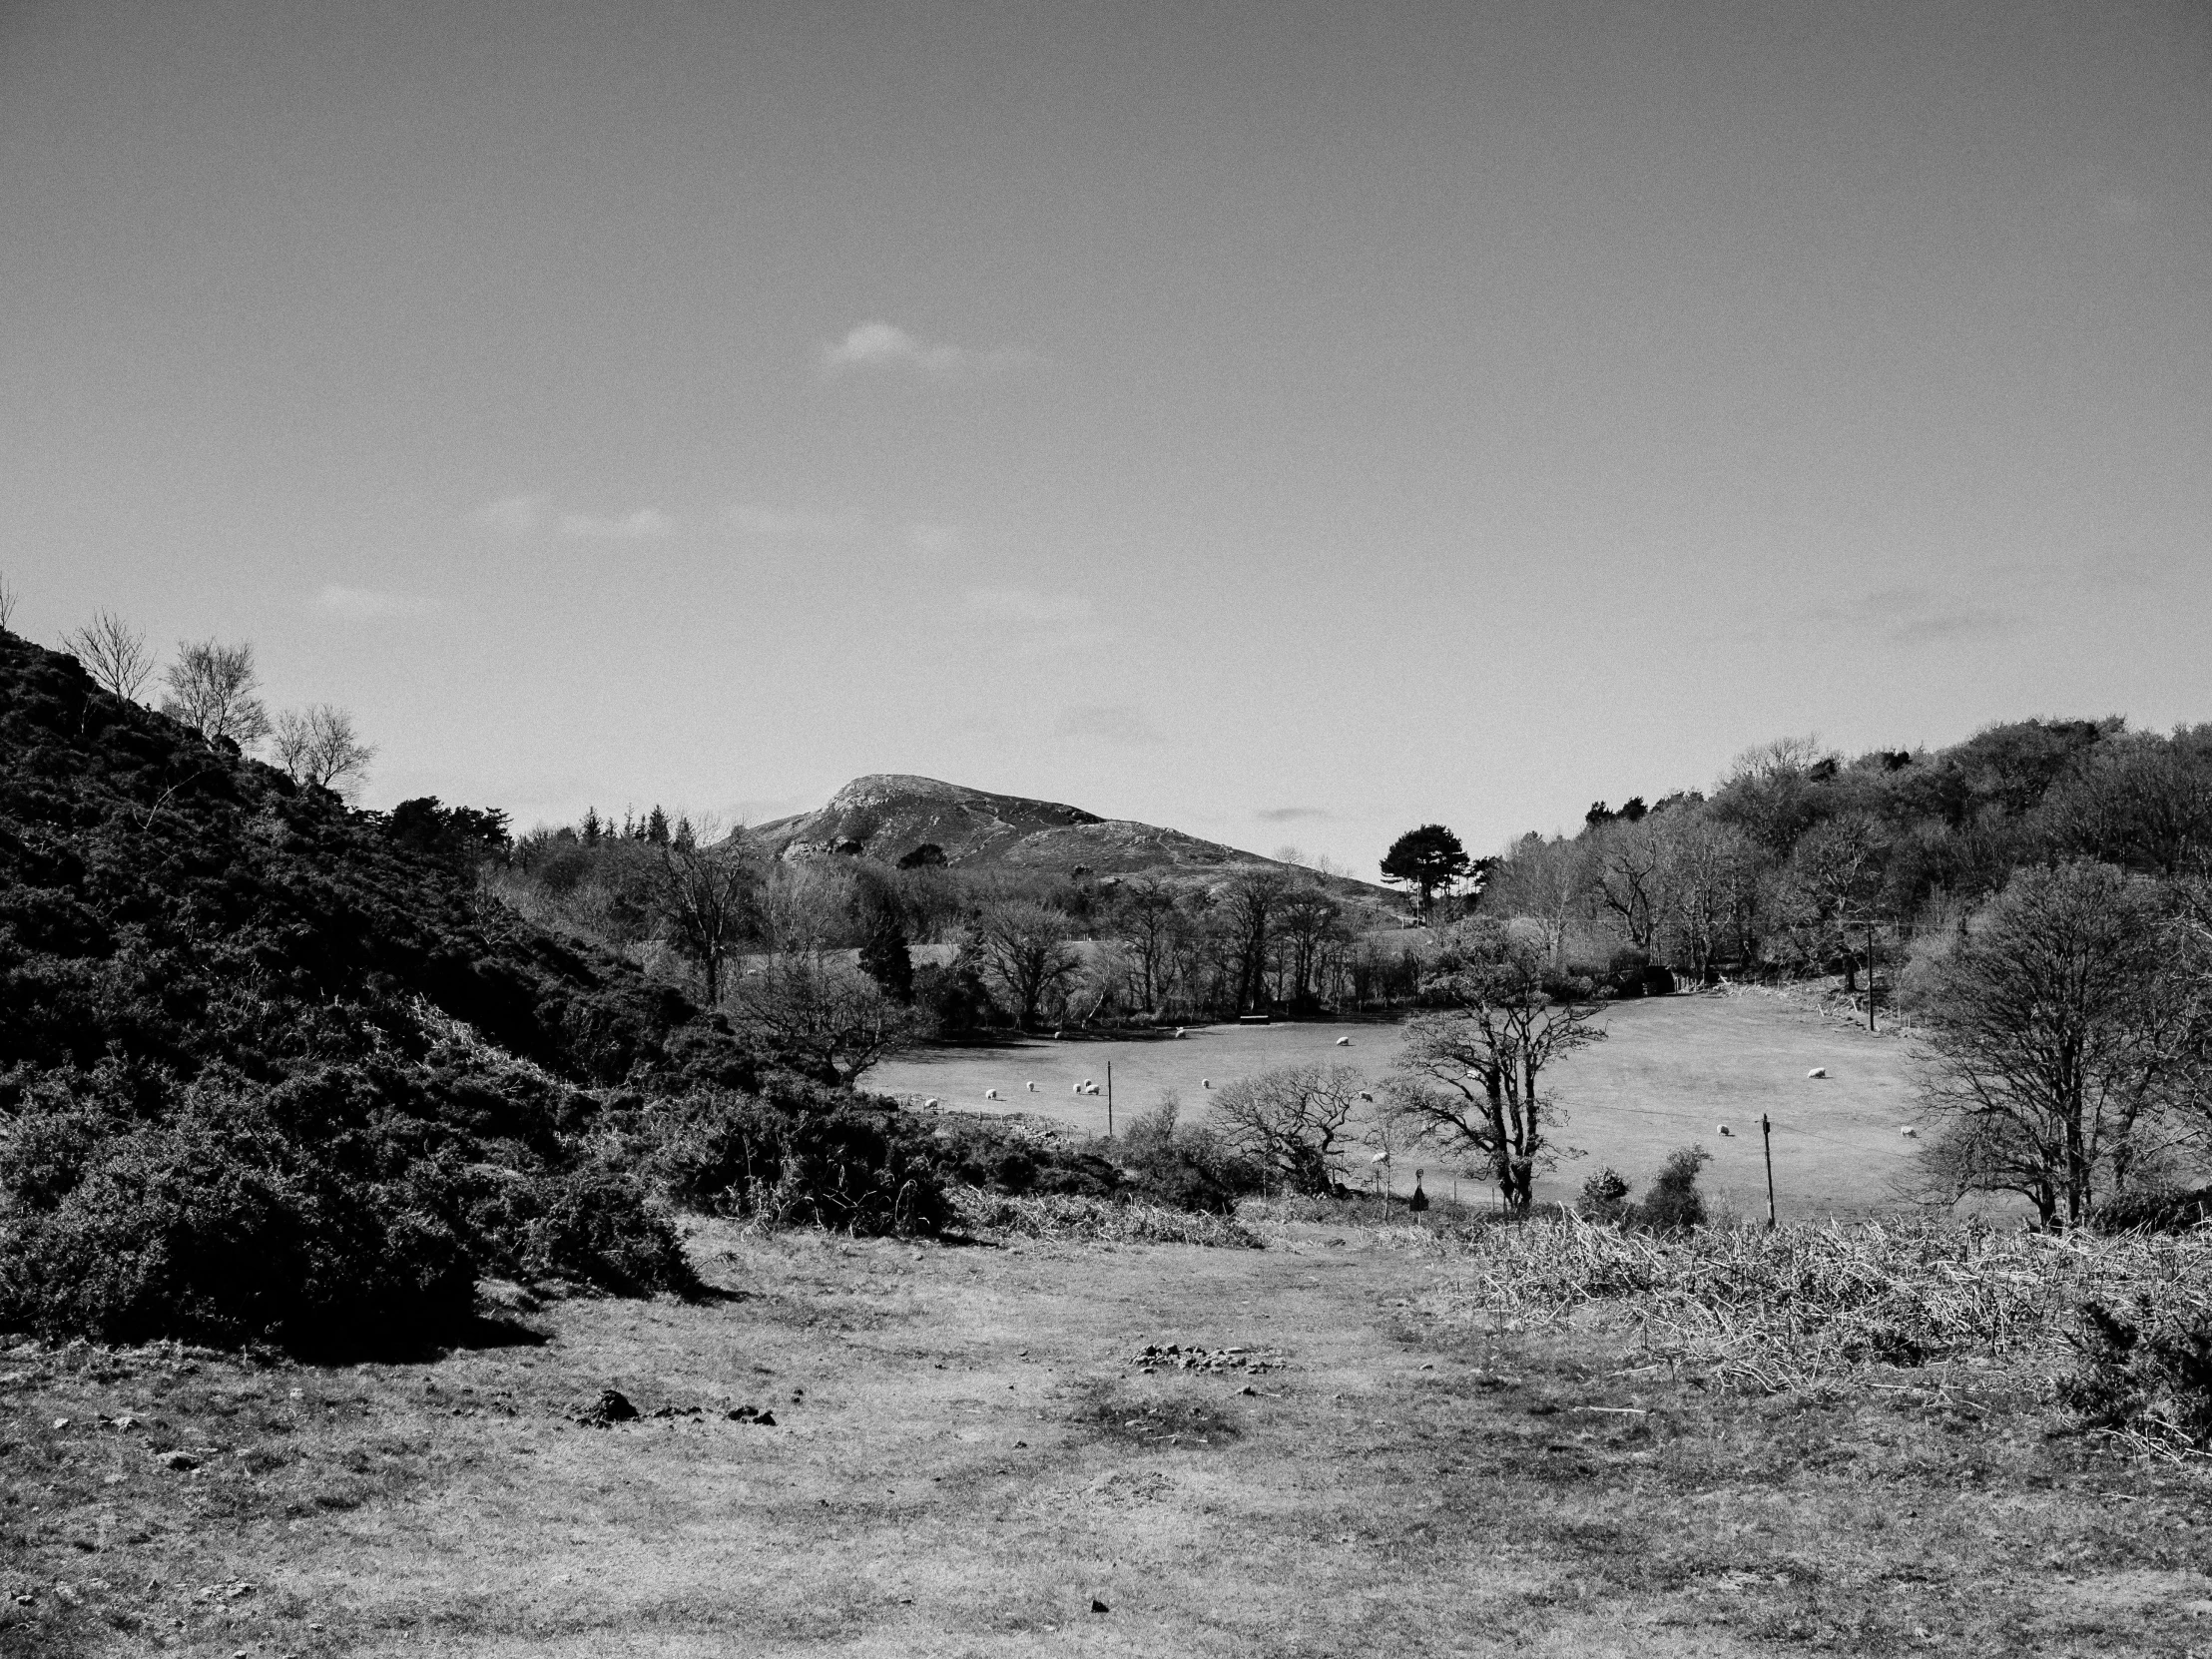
x=887, y=815
x=245, y=1083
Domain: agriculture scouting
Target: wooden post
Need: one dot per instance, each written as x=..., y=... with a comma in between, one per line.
x=1870, y=976
x=1766, y=1139
x=1109, y=1100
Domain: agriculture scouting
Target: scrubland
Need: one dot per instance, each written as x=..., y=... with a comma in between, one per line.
x=972, y=1452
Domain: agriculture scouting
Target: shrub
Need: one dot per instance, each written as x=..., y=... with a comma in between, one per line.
x=2145, y=1371
x=2157, y=1210
x=590, y=1224
x=850, y=1167
x=1184, y=1167
x=1674, y=1204
x=1605, y=1196
x=215, y=1226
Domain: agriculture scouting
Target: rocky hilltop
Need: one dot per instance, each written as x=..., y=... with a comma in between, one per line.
x=887, y=815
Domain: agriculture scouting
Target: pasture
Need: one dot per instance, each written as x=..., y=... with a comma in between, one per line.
x=1669, y=1072
x=974, y=1453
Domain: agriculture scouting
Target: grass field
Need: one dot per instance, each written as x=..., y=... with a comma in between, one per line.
x=1669, y=1072
x=968, y=1458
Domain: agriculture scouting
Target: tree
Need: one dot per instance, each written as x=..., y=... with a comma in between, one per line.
x=114, y=653
x=2141, y=801
x=212, y=689
x=1832, y=883
x=1024, y=946
x=463, y=837
x=1548, y=881
x=1427, y=858
x=1629, y=872
x=1311, y=925
x=1150, y=926
x=1710, y=883
x=2067, y=1043
x=885, y=954
x=1468, y=1081
x=1292, y=1122
x=8, y=600
x=819, y=1017
x=1247, y=907
x=929, y=856
x=705, y=897
x=319, y=746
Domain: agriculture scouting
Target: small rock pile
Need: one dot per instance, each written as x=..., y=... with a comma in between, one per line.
x=614, y=1406
x=1245, y=1361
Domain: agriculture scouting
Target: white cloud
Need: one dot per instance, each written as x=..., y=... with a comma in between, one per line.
x=645, y=523
x=887, y=346
x=1024, y=605
x=1290, y=815
x=362, y=604
x=514, y=515
x=1919, y=616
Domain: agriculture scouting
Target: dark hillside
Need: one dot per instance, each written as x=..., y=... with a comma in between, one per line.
x=266, y=1066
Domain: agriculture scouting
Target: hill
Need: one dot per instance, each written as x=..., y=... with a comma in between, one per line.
x=269, y=1067
x=888, y=816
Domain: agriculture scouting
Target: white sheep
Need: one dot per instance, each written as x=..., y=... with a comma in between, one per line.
x=1344, y=1042
x=931, y=1103
x=990, y=1094
x=1818, y=1071
x=1178, y=1031
x=1723, y=1129
x=1033, y=1088
x=1205, y=1082
x=1909, y=1133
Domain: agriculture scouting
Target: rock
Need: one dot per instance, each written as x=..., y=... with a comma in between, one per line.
x=612, y=1406
x=1248, y=1388
x=744, y=1413
x=182, y=1461
x=1098, y=1606
x=61, y=1422
x=766, y=1419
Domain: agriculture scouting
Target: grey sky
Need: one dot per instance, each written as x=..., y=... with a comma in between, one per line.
x=1221, y=417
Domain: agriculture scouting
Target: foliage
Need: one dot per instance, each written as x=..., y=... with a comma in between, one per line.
x=1077, y=1219
x=1674, y=1204
x=269, y=1068
x=1605, y=1196
x=1023, y=946
x=1184, y=1166
x=1426, y=858
x=821, y=1018
x=2145, y=1369
x=818, y=1162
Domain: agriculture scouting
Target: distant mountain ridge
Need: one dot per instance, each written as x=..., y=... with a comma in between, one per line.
x=886, y=816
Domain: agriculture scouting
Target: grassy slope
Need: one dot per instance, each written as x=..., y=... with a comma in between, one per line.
x=1670, y=1070
x=974, y=1458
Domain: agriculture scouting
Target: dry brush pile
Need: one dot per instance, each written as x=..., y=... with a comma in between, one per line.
x=2117, y=1329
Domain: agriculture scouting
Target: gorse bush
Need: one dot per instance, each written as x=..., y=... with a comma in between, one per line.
x=850, y=1167
x=2145, y=1371
x=1184, y=1166
x=1674, y=1203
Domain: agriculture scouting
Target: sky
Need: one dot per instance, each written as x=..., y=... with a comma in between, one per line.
x=1289, y=424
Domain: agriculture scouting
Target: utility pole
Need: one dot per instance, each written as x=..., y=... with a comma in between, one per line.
x=1766, y=1139
x=1109, y=1100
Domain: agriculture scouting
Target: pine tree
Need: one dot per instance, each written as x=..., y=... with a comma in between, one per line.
x=592, y=829
x=656, y=827
x=884, y=957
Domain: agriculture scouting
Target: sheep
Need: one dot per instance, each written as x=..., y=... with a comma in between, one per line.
x=931, y=1104
x=1178, y=1031
x=1723, y=1129
x=1205, y=1082
x=1344, y=1042
x=1055, y=1036
x=990, y=1094
x=1033, y=1088
x=1818, y=1071
x=1367, y=1095
x=1909, y=1133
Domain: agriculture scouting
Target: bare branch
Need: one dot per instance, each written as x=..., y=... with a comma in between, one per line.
x=114, y=653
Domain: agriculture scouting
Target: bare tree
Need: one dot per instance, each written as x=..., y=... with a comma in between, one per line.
x=706, y=896
x=8, y=600
x=1468, y=1081
x=319, y=746
x=1628, y=875
x=822, y=1017
x=1024, y=946
x=1547, y=882
x=1710, y=883
x=1310, y=925
x=1153, y=932
x=1293, y=1121
x=2068, y=1045
x=114, y=653
x=1246, y=910
x=212, y=689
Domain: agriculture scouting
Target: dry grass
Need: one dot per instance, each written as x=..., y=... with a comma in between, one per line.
x=968, y=1450
x=1074, y=1219
x=1804, y=1305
